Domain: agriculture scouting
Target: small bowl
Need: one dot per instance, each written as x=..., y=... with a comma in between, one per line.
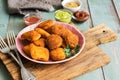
x=32, y=18
x=63, y=15
x=73, y=9
x=80, y=16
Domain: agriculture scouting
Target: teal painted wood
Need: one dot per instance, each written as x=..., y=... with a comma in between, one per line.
x=105, y=13
x=4, y=17
x=93, y=75
x=87, y=24
x=112, y=69
x=117, y=7
x=16, y=23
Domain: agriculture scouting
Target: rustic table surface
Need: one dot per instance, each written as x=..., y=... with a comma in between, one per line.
x=101, y=11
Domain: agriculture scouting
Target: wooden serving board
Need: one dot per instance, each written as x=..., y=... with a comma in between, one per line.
x=91, y=58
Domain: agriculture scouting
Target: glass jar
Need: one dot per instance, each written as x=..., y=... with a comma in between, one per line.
x=32, y=18
x=63, y=15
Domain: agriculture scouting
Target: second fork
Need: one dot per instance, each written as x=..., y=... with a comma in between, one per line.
x=26, y=75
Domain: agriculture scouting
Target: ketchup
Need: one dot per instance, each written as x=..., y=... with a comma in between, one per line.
x=31, y=20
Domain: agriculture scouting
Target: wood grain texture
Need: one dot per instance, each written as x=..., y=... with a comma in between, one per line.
x=92, y=57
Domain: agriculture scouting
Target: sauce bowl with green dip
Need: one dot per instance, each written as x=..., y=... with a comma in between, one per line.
x=63, y=15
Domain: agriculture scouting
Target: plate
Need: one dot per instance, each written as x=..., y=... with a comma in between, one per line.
x=20, y=44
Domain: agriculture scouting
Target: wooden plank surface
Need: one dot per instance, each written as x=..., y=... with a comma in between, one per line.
x=92, y=57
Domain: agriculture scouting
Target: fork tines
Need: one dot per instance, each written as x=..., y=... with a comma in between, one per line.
x=11, y=38
x=2, y=44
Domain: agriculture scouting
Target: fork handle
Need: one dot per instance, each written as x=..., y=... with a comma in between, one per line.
x=13, y=56
x=26, y=74
x=20, y=62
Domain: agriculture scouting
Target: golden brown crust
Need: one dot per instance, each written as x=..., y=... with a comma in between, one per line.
x=66, y=32
x=39, y=53
x=57, y=29
x=72, y=40
x=26, y=49
x=54, y=41
x=30, y=35
x=46, y=24
x=40, y=42
x=54, y=37
x=57, y=54
x=43, y=33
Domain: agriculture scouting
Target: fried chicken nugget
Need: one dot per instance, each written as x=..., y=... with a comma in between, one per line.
x=54, y=41
x=30, y=36
x=57, y=54
x=39, y=53
x=43, y=33
x=46, y=24
x=57, y=29
x=26, y=49
x=66, y=32
x=70, y=38
x=40, y=42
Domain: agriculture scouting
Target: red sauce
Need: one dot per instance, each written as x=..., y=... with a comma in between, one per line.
x=31, y=20
x=81, y=15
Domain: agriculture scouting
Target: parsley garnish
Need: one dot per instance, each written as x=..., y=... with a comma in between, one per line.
x=70, y=52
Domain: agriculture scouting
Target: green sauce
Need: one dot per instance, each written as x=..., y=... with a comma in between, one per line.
x=63, y=16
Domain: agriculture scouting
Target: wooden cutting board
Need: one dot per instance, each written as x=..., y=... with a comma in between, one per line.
x=91, y=58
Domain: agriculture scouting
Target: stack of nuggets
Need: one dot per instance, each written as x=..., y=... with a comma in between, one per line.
x=48, y=40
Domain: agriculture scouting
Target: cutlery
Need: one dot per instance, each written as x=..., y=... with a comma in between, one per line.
x=25, y=74
x=5, y=49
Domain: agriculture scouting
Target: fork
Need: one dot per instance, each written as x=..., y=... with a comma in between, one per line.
x=25, y=74
x=5, y=49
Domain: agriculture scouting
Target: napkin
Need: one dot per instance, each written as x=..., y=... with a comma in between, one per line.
x=23, y=6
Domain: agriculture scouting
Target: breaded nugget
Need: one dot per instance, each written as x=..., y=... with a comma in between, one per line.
x=57, y=54
x=54, y=41
x=43, y=33
x=66, y=32
x=46, y=24
x=30, y=36
x=39, y=53
x=72, y=40
x=26, y=49
x=57, y=29
x=40, y=42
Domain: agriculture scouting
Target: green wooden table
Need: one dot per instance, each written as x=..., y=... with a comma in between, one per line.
x=101, y=11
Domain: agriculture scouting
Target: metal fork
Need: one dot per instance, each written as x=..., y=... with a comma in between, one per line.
x=5, y=49
x=25, y=74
